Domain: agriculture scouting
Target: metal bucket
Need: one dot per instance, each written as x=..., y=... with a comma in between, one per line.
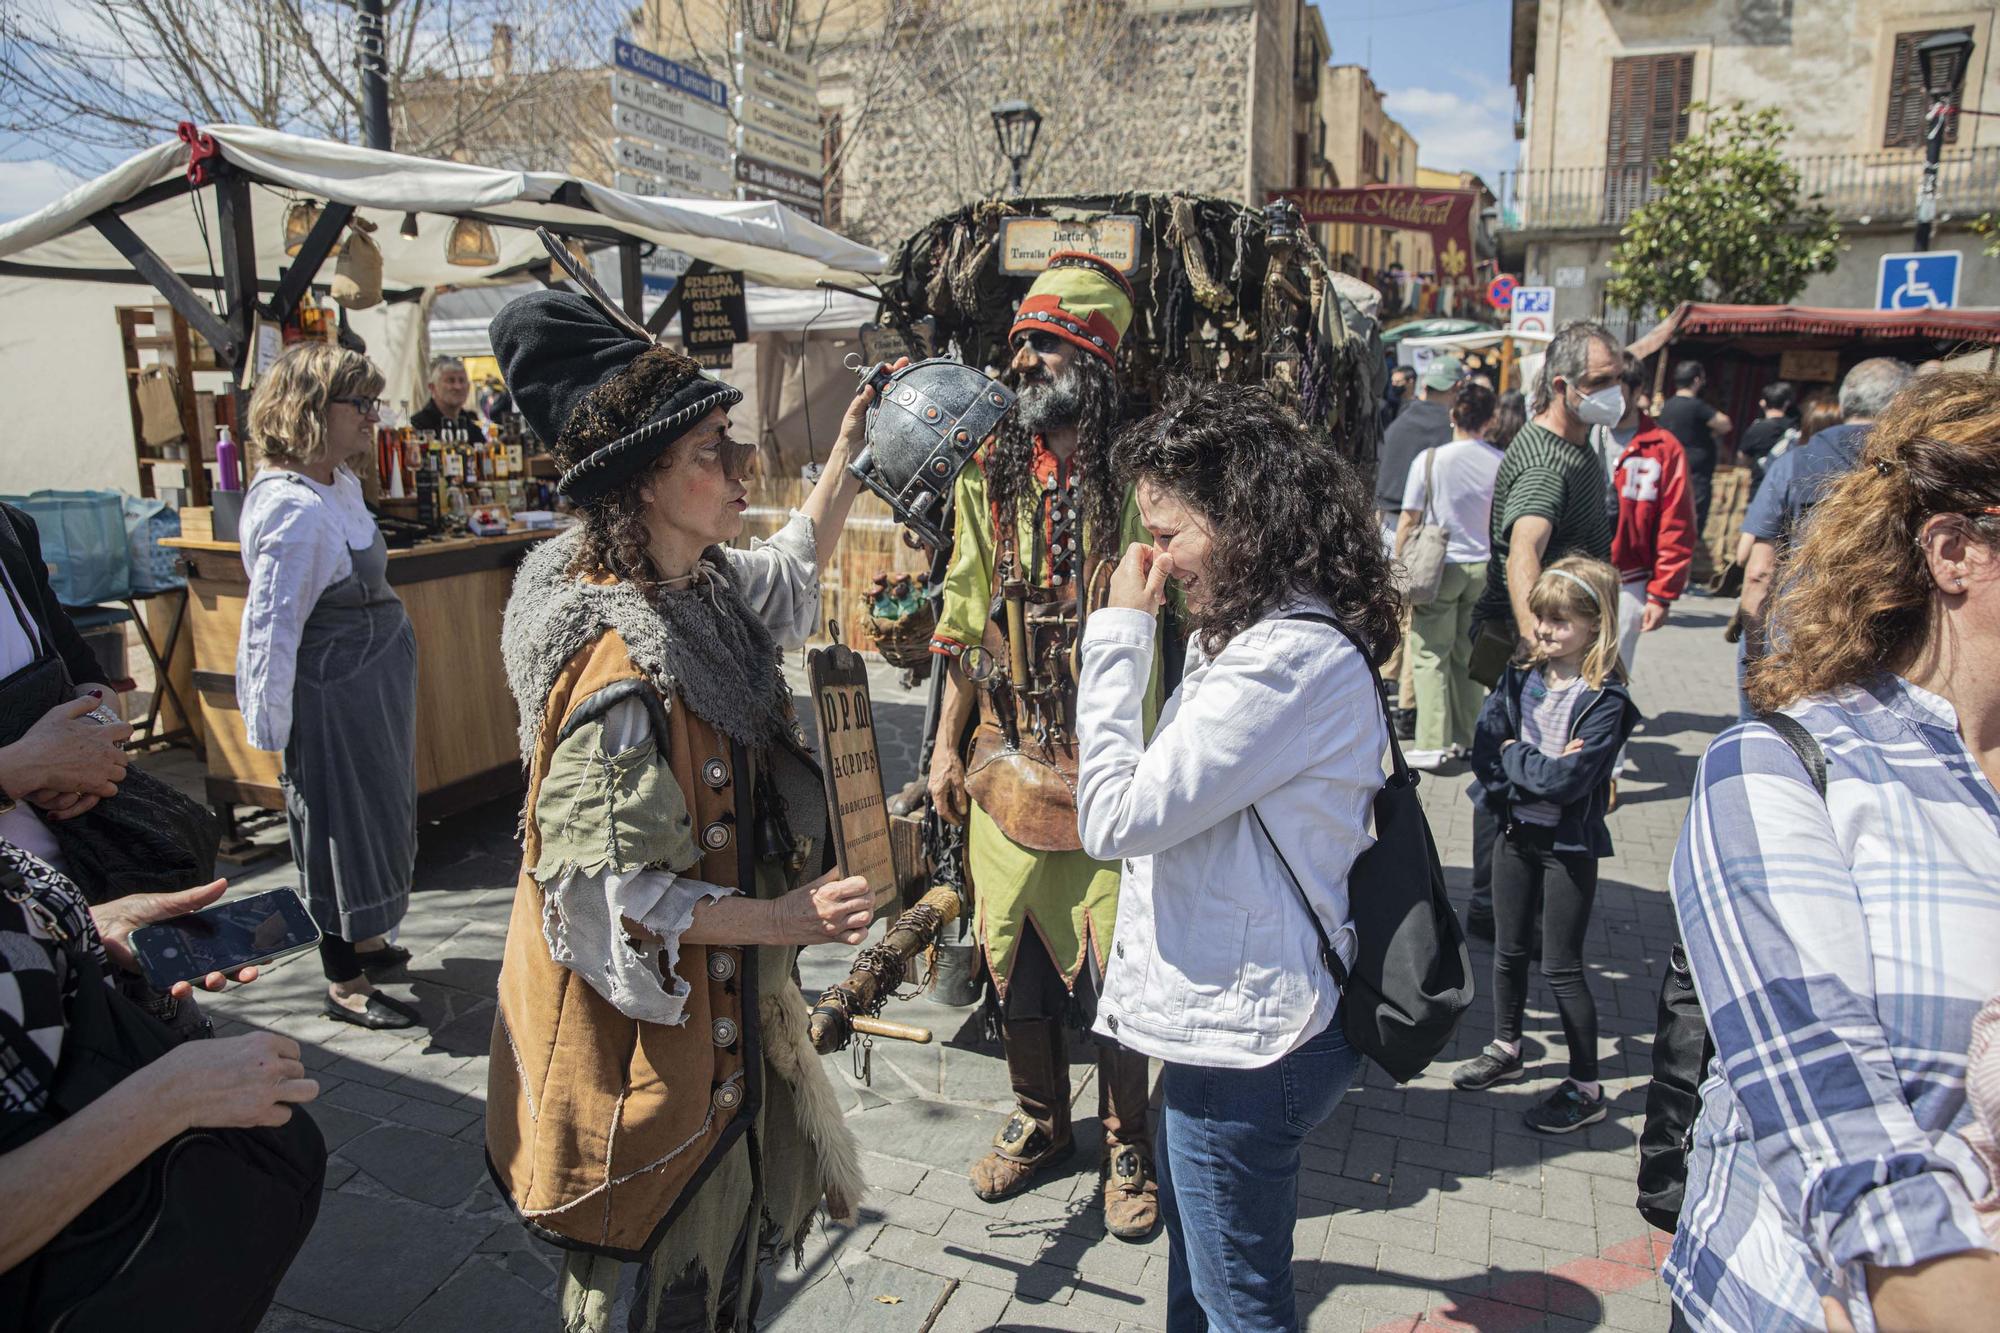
x=961, y=974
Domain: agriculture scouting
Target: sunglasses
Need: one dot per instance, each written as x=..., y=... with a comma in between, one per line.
x=367, y=407
x=1039, y=341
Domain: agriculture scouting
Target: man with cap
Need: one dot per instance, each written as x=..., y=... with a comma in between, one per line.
x=1040, y=509
x=1423, y=424
x=653, y=1095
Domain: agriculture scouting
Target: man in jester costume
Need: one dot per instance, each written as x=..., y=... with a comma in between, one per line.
x=1039, y=516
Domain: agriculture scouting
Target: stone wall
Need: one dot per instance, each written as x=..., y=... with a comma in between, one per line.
x=1163, y=106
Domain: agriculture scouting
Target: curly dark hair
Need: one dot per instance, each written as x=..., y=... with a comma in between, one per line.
x=1100, y=495
x=1285, y=512
x=614, y=538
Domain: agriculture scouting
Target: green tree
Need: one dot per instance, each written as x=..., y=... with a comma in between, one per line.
x=1988, y=226
x=1726, y=221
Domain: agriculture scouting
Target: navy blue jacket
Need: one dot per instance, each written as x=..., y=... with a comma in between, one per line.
x=1504, y=776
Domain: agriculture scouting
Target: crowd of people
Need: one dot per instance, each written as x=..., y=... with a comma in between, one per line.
x=1171, y=878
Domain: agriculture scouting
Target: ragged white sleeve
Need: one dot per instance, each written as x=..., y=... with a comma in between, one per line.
x=585, y=911
x=779, y=577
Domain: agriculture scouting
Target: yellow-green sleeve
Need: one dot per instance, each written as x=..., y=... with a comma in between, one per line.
x=968, y=581
x=602, y=809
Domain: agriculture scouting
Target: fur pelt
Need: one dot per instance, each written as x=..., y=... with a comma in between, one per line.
x=703, y=644
x=789, y=1052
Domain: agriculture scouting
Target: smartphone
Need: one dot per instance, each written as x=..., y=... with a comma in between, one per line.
x=231, y=935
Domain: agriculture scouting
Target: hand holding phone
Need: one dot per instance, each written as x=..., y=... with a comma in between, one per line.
x=226, y=938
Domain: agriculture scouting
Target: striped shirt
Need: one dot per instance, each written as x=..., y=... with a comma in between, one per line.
x=1547, y=713
x=1841, y=950
x=1545, y=476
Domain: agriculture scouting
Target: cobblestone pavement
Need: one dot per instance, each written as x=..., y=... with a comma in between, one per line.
x=1421, y=1208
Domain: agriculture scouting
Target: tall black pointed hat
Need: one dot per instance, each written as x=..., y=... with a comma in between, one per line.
x=603, y=396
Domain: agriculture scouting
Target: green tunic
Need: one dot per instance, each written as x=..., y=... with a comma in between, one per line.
x=1070, y=898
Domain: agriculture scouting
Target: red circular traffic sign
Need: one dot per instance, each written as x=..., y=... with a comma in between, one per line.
x=1500, y=291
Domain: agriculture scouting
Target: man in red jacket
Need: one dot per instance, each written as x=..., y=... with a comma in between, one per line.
x=1653, y=545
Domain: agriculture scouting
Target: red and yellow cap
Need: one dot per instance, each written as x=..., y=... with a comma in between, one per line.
x=1082, y=298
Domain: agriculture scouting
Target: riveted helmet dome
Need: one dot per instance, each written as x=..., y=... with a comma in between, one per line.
x=927, y=421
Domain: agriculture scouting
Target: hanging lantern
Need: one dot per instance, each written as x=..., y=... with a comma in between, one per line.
x=300, y=219
x=471, y=244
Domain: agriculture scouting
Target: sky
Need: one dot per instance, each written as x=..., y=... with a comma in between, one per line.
x=1442, y=69
x=1441, y=65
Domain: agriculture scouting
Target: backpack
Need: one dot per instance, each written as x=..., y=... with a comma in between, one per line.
x=1682, y=1047
x=1412, y=975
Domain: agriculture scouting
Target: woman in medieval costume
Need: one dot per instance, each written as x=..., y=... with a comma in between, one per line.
x=653, y=1095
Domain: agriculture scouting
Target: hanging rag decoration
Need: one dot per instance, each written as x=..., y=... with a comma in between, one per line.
x=1221, y=291
x=1183, y=232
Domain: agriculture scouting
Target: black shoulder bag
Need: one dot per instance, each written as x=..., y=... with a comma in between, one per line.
x=192, y=1240
x=1682, y=1048
x=1412, y=975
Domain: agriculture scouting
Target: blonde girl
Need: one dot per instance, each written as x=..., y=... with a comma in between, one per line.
x=1542, y=758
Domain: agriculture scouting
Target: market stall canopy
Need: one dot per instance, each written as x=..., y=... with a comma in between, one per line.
x=1478, y=340
x=1693, y=319
x=459, y=318
x=1431, y=328
x=769, y=243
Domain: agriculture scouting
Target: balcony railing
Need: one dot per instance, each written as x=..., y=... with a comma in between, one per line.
x=1858, y=187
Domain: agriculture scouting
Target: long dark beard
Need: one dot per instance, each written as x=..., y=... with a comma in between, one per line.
x=1100, y=404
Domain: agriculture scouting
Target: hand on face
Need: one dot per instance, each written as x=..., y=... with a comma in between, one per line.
x=1140, y=581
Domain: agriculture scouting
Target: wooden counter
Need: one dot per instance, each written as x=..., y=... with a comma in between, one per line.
x=455, y=591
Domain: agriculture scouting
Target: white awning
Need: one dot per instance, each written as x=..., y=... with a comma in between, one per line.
x=767, y=242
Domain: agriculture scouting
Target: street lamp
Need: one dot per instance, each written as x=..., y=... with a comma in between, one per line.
x=1941, y=60
x=1016, y=124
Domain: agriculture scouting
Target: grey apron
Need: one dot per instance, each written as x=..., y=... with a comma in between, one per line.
x=350, y=767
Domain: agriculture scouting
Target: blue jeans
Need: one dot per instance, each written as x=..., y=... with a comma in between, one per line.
x=1229, y=1182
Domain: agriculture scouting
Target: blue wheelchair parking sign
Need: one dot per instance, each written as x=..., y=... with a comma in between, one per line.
x=1922, y=280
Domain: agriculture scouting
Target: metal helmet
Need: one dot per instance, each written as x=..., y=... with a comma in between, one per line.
x=926, y=422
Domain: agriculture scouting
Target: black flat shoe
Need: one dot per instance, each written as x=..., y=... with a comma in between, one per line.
x=380, y=962
x=382, y=1013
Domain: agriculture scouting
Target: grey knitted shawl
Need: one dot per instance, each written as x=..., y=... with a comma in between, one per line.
x=703, y=643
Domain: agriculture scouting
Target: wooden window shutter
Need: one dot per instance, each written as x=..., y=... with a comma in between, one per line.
x=1649, y=115
x=1904, y=127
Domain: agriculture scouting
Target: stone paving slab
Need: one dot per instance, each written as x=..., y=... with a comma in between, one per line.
x=1421, y=1208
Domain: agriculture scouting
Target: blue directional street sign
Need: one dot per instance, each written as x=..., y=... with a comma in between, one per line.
x=1919, y=280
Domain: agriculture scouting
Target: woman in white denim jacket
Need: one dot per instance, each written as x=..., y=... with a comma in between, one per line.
x=1274, y=735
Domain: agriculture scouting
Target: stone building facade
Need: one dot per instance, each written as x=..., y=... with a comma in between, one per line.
x=1367, y=146
x=1604, y=89
x=1220, y=97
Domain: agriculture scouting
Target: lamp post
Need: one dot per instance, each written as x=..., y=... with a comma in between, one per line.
x=371, y=46
x=1016, y=125
x=1941, y=60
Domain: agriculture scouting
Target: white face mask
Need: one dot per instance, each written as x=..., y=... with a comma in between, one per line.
x=1606, y=407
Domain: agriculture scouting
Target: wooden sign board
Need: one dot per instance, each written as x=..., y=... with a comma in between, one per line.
x=1806, y=366
x=1027, y=243
x=838, y=680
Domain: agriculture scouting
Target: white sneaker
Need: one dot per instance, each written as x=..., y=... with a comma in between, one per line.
x=1430, y=761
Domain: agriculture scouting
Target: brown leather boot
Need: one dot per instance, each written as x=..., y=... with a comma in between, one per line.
x=1131, y=1195
x=1036, y=1135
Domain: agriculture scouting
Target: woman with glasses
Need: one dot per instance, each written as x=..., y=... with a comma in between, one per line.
x=326, y=669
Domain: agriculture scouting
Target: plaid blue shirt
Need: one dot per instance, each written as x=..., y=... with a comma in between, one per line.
x=1841, y=949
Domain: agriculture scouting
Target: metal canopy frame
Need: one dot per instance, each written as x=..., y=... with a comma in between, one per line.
x=231, y=332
